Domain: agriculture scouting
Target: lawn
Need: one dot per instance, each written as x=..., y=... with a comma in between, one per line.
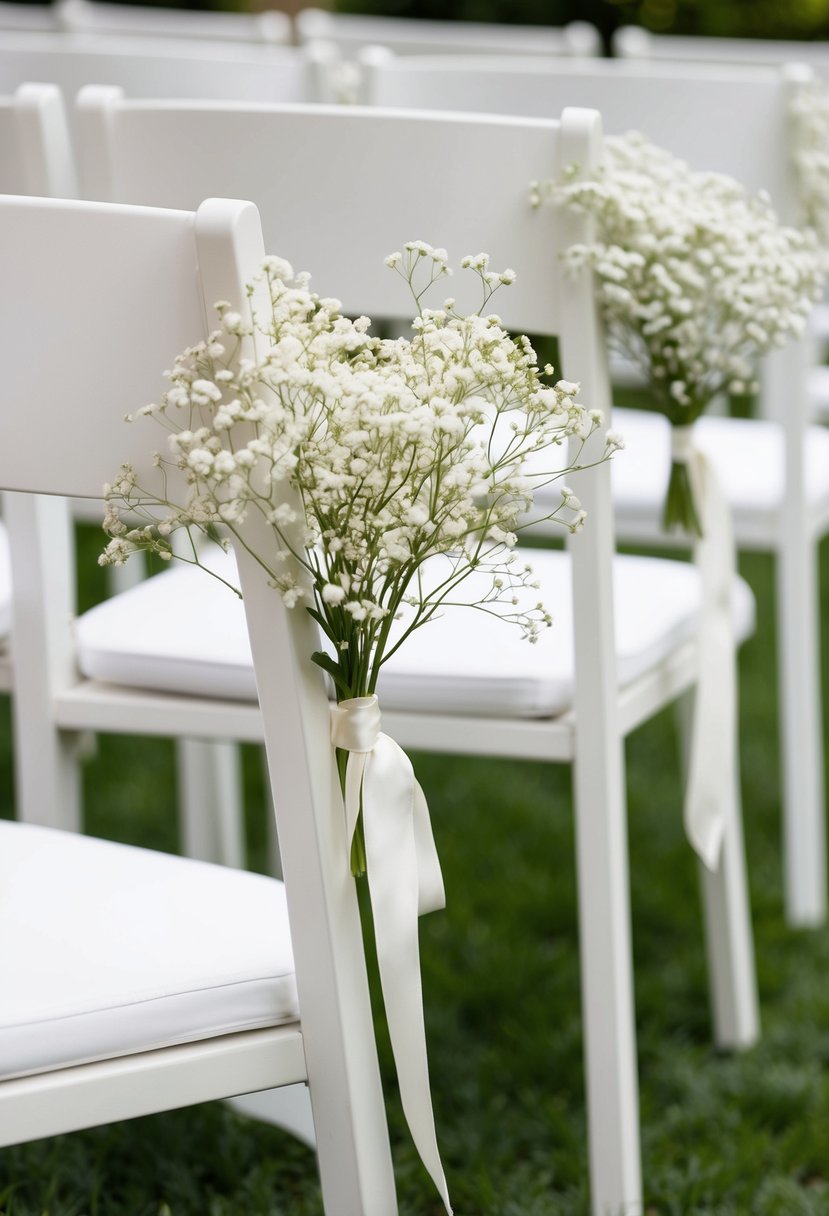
x=721, y=1134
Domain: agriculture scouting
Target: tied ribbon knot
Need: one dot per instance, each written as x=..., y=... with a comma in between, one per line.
x=404, y=881
x=712, y=773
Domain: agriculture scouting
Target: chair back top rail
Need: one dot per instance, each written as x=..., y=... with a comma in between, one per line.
x=413, y=36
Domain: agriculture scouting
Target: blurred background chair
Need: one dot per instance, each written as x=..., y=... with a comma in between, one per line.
x=89, y=924
x=775, y=471
x=146, y=20
x=564, y=705
x=349, y=32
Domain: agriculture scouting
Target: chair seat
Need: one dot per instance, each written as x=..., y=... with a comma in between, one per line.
x=184, y=632
x=748, y=454
x=108, y=950
x=5, y=585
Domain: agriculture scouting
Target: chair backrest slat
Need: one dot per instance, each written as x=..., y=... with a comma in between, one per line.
x=311, y=172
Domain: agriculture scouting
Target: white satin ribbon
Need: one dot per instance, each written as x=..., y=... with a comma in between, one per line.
x=712, y=762
x=404, y=882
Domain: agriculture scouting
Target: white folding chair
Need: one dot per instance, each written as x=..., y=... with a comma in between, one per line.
x=410, y=36
x=775, y=472
x=460, y=691
x=146, y=20
x=133, y=981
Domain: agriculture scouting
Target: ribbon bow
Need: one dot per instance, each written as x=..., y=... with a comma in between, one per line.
x=404, y=882
x=712, y=765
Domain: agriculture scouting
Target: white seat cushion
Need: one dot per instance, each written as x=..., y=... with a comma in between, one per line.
x=184, y=632
x=107, y=950
x=5, y=586
x=748, y=454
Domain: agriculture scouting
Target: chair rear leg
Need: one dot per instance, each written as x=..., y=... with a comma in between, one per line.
x=801, y=733
x=210, y=801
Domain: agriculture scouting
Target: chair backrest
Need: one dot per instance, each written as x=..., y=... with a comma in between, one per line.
x=98, y=299
x=96, y=17
x=333, y=206
x=633, y=42
x=724, y=118
x=35, y=152
x=156, y=67
x=410, y=36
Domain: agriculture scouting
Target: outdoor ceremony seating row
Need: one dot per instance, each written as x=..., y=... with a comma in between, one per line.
x=776, y=473
x=315, y=147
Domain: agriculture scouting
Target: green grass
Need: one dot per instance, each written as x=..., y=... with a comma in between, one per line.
x=724, y=1135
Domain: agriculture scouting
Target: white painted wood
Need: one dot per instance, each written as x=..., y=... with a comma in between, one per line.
x=352, y=31
x=733, y=120
x=190, y=260
x=87, y=1095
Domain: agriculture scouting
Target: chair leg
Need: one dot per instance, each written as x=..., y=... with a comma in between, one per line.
x=729, y=937
x=210, y=801
x=607, y=979
x=804, y=839
x=288, y=1108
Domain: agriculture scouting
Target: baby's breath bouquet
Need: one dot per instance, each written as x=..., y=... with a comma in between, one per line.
x=369, y=460
x=696, y=280
x=399, y=450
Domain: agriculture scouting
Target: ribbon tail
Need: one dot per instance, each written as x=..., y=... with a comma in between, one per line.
x=431, y=893
x=389, y=815
x=712, y=772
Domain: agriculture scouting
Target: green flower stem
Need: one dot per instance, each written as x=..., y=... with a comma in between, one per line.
x=680, y=508
x=358, y=843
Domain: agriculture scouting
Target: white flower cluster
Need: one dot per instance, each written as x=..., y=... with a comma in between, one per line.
x=809, y=126
x=394, y=451
x=695, y=278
